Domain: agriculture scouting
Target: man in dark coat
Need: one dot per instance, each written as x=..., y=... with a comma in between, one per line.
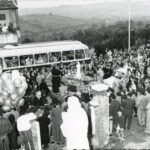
x=56, y=79
x=128, y=107
x=114, y=108
x=5, y=128
x=44, y=129
x=13, y=134
x=38, y=100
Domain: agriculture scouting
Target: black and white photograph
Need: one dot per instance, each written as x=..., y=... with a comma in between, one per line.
x=74, y=74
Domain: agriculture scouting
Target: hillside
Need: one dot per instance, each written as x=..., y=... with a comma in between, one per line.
x=107, y=10
x=37, y=26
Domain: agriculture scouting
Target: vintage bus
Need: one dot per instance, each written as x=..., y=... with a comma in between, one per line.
x=41, y=54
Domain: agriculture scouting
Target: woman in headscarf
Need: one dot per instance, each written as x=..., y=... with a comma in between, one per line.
x=75, y=125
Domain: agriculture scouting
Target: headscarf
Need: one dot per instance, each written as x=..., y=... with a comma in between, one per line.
x=73, y=104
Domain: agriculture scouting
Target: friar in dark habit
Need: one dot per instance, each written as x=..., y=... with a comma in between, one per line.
x=56, y=79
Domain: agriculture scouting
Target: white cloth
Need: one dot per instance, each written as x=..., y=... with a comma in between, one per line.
x=23, y=122
x=78, y=73
x=93, y=119
x=75, y=125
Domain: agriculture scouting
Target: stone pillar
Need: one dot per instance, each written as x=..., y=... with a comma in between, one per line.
x=100, y=117
x=35, y=128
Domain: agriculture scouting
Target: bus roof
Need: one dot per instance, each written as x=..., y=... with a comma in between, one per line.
x=33, y=48
x=40, y=44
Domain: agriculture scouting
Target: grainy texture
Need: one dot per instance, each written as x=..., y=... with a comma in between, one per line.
x=5, y=4
x=101, y=136
x=36, y=135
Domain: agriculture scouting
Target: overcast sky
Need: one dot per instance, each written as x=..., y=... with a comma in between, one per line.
x=51, y=3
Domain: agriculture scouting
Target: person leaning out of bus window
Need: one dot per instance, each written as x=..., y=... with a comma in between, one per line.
x=53, y=58
x=40, y=60
x=29, y=61
x=64, y=57
x=70, y=56
x=15, y=61
x=44, y=58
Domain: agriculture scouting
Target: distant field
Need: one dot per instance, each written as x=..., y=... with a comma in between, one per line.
x=106, y=10
x=42, y=26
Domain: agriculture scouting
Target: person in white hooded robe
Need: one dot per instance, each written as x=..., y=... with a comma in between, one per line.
x=75, y=125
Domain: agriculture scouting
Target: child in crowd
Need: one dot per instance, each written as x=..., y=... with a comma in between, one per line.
x=120, y=126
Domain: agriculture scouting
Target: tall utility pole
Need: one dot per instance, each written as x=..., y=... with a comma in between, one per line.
x=129, y=26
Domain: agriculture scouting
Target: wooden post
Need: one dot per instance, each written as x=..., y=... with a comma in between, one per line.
x=100, y=117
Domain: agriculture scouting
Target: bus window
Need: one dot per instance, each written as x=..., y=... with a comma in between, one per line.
x=1, y=62
x=40, y=58
x=26, y=60
x=79, y=54
x=11, y=61
x=55, y=56
x=68, y=55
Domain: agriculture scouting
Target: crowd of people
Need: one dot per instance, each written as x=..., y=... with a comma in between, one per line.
x=4, y=28
x=49, y=99
x=132, y=96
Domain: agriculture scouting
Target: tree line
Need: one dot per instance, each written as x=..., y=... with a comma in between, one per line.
x=100, y=37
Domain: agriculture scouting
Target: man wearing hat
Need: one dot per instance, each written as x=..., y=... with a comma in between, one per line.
x=56, y=79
